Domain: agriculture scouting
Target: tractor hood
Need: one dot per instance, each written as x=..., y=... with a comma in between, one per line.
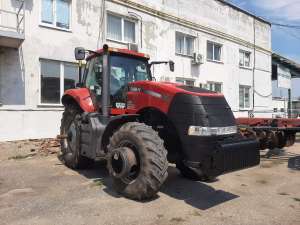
x=172, y=89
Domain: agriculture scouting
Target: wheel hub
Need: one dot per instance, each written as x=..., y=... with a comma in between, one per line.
x=123, y=162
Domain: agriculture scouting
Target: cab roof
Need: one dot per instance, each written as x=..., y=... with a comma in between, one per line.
x=122, y=51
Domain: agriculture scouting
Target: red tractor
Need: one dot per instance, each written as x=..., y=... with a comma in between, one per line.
x=119, y=113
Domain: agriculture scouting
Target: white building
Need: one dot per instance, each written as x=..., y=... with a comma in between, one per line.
x=232, y=50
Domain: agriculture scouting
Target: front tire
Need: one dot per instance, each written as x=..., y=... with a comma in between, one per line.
x=70, y=146
x=150, y=164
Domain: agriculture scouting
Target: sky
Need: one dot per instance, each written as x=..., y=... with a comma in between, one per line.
x=285, y=41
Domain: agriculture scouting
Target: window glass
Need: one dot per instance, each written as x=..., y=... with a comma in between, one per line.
x=210, y=49
x=189, y=45
x=179, y=80
x=217, y=52
x=94, y=73
x=47, y=11
x=214, y=51
x=70, y=76
x=129, y=31
x=114, y=27
x=247, y=59
x=247, y=98
x=50, y=82
x=123, y=71
x=62, y=13
x=244, y=58
x=179, y=43
x=189, y=82
x=241, y=58
x=184, y=44
x=241, y=97
x=218, y=87
x=244, y=96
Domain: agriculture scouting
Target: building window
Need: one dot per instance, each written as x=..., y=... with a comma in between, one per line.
x=56, y=13
x=56, y=77
x=188, y=82
x=215, y=86
x=214, y=51
x=120, y=29
x=244, y=59
x=244, y=95
x=184, y=44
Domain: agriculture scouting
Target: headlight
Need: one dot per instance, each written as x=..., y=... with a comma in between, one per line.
x=211, y=131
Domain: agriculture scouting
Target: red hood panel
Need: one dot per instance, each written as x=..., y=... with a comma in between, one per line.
x=174, y=88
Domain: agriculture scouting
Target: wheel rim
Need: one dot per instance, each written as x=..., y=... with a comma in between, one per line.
x=135, y=169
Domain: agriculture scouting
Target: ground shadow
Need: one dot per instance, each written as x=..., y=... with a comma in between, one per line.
x=282, y=156
x=196, y=194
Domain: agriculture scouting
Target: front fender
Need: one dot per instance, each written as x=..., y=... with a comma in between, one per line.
x=113, y=124
x=81, y=96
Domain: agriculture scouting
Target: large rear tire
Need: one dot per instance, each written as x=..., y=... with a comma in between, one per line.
x=70, y=146
x=145, y=148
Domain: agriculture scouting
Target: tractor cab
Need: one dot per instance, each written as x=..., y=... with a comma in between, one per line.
x=113, y=69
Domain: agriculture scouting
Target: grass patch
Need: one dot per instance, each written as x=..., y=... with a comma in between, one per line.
x=159, y=216
x=283, y=193
x=195, y=213
x=177, y=220
x=18, y=157
x=262, y=181
x=97, y=183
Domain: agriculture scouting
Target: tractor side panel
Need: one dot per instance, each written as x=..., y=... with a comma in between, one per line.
x=82, y=97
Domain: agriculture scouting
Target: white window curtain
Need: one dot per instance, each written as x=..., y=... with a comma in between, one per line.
x=114, y=27
x=189, y=45
x=129, y=31
x=179, y=43
x=47, y=11
x=210, y=49
x=63, y=13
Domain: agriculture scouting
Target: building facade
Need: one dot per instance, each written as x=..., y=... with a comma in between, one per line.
x=213, y=44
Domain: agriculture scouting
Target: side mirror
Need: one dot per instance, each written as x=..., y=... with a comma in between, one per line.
x=79, y=53
x=172, y=66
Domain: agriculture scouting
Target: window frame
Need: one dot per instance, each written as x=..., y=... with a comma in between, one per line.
x=184, y=80
x=185, y=36
x=214, y=83
x=53, y=24
x=244, y=105
x=213, y=52
x=61, y=78
x=244, y=52
x=122, y=28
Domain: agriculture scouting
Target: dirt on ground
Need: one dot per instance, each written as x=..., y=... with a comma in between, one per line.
x=36, y=188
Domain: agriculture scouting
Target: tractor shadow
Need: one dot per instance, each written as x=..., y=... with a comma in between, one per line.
x=199, y=195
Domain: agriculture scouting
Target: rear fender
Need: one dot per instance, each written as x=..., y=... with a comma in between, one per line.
x=81, y=96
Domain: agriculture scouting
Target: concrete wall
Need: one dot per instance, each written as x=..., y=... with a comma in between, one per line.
x=205, y=20
x=22, y=116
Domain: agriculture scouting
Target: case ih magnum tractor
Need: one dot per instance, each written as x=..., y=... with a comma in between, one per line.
x=119, y=113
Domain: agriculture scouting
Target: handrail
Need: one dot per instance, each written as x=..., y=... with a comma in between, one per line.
x=20, y=18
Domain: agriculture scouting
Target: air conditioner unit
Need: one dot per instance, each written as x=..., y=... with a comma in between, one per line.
x=197, y=59
x=133, y=47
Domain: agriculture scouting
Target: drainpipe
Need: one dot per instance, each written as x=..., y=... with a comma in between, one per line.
x=254, y=62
